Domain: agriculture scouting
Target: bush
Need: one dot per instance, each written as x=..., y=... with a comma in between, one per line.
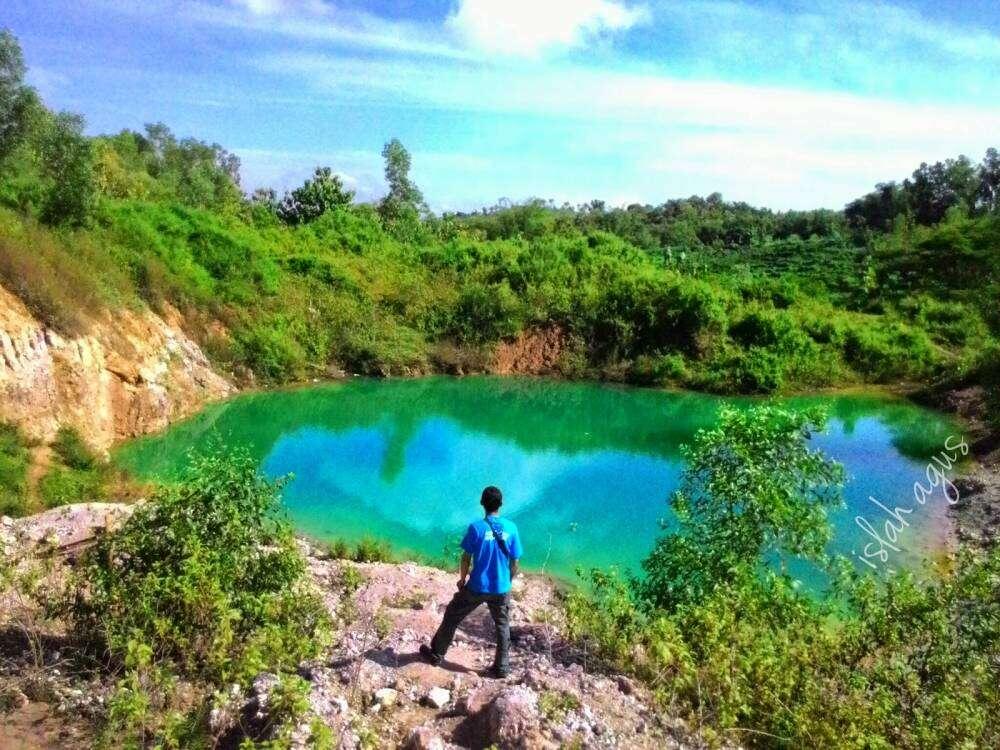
x=269, y=351
x=70, y=448
x=370, y=549
x=63, y=486
x=752, y=490
x=14, y=460
x=76, y=476
x=885, y=352
x=207, y=576
x=749, y=656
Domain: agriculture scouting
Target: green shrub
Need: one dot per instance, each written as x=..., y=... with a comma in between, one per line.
x=14, y=461
x=665, y=368
x=207, y=575
x=77, y=475
x=63, y=486
x=883, y=352
x=487, y=313
x=750, y=657
x=752, y=490
x=370, y=549
x=71, y=449
x=269, y=351
x=949, y=322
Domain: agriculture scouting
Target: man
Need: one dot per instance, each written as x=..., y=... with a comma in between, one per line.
x=491, y=548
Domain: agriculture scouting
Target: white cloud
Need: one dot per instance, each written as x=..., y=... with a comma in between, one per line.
x=260, y=7
x=527, y=28
x=269, y=8
x=589, y=93
x=316, y=21
x=775, y=146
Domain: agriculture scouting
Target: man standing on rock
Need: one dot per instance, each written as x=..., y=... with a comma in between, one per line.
x=491, y=548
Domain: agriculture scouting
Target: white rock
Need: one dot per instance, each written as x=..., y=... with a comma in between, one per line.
x=386, y=697
x=423, y=738
x=438, y=697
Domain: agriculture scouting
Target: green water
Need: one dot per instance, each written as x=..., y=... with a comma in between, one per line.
x=585, y=469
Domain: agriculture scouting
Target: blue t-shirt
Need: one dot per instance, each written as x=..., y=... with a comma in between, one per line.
x=490, y=567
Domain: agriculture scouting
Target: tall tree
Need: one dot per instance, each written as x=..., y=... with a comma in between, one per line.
x=878, y=210
x=988, y=193
x=934, y=189
x=404, y=199
x=17, y=100
x=68, y=162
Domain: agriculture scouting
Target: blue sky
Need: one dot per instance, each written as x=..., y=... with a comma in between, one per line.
x=779, y=103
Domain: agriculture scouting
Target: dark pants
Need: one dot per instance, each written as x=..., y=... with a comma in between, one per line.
x=461, y=606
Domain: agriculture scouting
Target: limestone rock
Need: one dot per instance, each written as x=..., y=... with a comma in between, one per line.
x=438, y=697
x=423, y=738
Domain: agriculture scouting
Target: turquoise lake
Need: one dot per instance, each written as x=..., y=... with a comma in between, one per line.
x=586, y=469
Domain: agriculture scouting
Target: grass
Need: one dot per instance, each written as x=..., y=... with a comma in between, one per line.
x=76, y=475
x=64, y=280
x=367, y=550
x=14, y=461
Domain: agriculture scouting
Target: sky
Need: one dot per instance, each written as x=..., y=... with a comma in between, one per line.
x=779, y=103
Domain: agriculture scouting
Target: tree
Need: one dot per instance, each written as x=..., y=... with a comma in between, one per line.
x=988, y=193
x=17, y=101
x=195, y=172
x=934, y=189
x=404, y=199
x=324, y=192
x=878, y=210
x=68, y=163
x=752, y=492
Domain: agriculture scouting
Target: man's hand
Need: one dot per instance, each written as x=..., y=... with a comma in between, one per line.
x=463, y=570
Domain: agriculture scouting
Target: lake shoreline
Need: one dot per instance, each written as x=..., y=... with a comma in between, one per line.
x=360, y=448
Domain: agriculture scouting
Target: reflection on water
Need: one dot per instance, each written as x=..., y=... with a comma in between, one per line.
x=585, y=469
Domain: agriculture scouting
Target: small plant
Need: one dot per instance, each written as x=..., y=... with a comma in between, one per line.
x=382, y=622
x=338, y=549
x=412, y=600
x=370, y=550
x=351, y=579
x=555, y=704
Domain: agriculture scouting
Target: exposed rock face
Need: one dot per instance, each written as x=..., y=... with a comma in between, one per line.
x=534, y=352
x=133, y=373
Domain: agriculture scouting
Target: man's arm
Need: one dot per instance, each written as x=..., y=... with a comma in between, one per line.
x=513, y=569
x=463, y=574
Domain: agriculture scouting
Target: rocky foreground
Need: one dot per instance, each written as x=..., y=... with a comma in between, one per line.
x=371, y=688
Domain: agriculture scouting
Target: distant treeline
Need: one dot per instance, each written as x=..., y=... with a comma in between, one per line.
x=697, y=292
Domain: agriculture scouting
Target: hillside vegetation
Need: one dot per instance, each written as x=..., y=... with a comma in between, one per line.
x=202, y=595
x=699, y=292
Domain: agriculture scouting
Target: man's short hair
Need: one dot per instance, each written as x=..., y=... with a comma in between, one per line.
x=492, y=499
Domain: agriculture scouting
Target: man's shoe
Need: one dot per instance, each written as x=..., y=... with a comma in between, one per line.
x=429, y=656
x=497, y=674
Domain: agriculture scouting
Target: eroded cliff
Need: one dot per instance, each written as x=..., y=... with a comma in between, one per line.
x=130, y=374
